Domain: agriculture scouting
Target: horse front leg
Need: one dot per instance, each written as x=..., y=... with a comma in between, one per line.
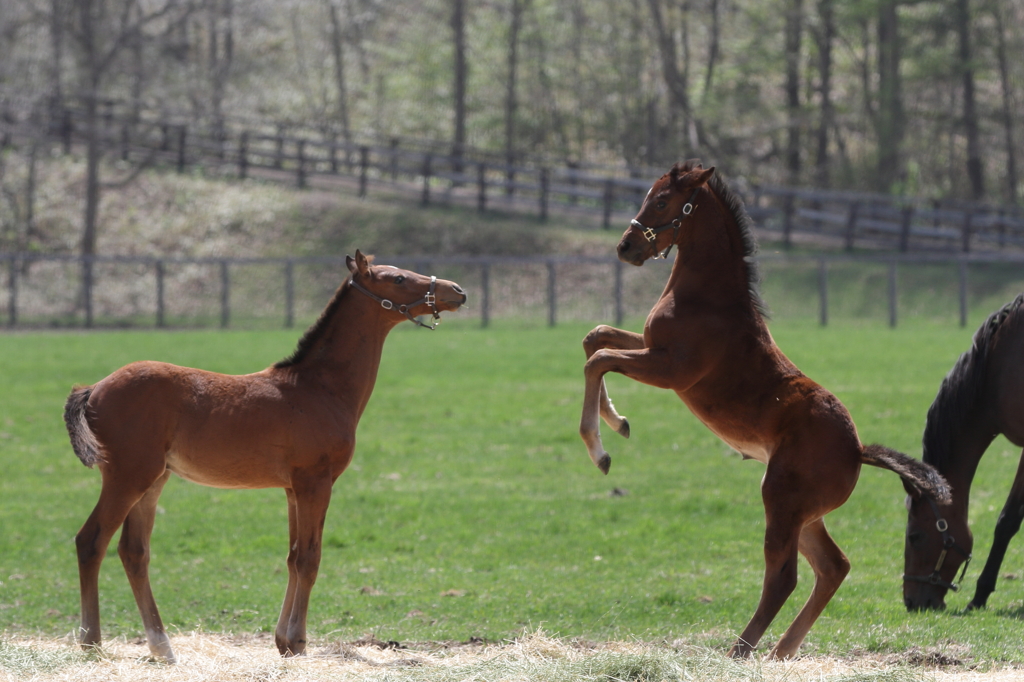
x=133, y=549
x=646, y=365
x=281, y=631
x=312, y=497
x=1006, y=527
x=602, y=337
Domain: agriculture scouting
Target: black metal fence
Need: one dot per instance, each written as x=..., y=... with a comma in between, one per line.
x=105, y=292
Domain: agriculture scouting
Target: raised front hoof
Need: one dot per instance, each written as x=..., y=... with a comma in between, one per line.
x=623, y=429
x=605, y=463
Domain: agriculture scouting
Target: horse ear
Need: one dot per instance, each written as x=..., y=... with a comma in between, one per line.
x=359, y=264
x=706, y=175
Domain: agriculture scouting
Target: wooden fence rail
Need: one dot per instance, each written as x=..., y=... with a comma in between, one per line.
x=292, y=153
x=277, y=279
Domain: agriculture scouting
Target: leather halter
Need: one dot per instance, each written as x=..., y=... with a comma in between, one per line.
x=429, y=299
x=651, y=233
x=948, y=543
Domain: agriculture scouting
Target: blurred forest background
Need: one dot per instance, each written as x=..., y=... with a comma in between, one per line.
x=916, y=98
x=919, y=97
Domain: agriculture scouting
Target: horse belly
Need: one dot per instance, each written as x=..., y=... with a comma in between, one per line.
x=217, y=471
x=749, y=449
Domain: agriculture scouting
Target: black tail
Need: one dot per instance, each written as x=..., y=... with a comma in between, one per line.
x=83, y=441
x=918, y=477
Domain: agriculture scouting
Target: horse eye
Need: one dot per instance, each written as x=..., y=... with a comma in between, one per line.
x=915, y=537
x=399, y=279
x=660, y=205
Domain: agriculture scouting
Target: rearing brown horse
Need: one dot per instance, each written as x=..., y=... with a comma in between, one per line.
x=290, y=426
x=706, y=339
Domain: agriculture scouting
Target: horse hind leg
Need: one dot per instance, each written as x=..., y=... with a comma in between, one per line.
x=91, y=543
x=1006, y=527
x=780, y=577
x=830, y=567
x=133, y=549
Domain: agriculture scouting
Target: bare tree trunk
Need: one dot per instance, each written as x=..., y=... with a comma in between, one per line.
x=889, y=119
x=794, y=34
x=825, y=38
x=676, y=79
x=511, y=103
x=459, y=42
x=579, y=19
x=713, y=47
x=1007, y=108
x=975, y=170
x=57, y=45
x=338, y=50
x=221, y=54
x=90, y=59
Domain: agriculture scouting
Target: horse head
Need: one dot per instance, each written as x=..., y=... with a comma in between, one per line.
x=938, y=543
x=664, y=214
x=403, y=291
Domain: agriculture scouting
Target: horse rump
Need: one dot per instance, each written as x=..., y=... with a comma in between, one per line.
x=918, y=478
x=83, y=441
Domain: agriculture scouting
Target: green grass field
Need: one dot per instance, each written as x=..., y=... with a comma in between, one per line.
x=472, y=510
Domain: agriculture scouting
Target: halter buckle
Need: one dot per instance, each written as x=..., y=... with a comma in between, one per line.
x=650, y=234
x=386, y=304
x=688, y=208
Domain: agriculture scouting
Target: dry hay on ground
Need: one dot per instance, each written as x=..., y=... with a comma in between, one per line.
x=532, y=657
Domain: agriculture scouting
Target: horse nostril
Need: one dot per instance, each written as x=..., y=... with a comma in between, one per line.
x=458, y=289
x=624, y=246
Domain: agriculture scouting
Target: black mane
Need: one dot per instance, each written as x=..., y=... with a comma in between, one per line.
x=745, y=224
x=960, y=391
x=316, y=330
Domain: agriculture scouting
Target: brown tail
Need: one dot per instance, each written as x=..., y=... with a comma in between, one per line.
x=83, y=441
x=918, y=477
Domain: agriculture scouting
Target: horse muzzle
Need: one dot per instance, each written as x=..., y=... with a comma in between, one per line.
x=632, y=251
x=924, y=601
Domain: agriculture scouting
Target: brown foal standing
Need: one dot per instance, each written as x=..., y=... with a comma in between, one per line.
x=290, y=426
x=706, y=339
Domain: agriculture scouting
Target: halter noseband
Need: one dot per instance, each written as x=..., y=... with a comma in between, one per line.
x=651, y=233
x=948, y=543
x=429, y=299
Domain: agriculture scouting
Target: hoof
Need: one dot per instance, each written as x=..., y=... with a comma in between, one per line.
x=605, y=463
x=624, y=429
x=740, y=650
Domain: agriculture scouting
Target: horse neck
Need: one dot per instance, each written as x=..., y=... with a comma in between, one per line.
x=967, y=440
x=346, y=354
x=710, y=261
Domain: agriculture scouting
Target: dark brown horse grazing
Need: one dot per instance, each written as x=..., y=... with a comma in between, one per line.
x=706, y=339
x=981, y=397
x=290, y=426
